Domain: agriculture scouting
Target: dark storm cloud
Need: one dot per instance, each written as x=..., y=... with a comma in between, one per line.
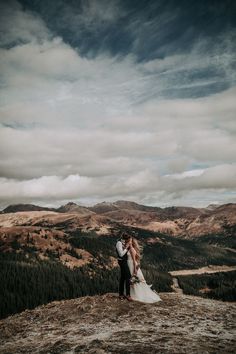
x=150, y=30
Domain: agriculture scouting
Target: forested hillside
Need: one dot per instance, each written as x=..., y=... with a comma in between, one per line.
x=29, y=280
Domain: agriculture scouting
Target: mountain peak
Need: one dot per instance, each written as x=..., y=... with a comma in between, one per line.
x=212, y=206
x=177, y=324
x=72, y=207
x=71, y=203
x=14, y=208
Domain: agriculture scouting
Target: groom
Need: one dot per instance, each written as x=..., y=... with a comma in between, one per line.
x=122, y=247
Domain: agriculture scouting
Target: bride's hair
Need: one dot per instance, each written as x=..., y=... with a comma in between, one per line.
x=135, y=245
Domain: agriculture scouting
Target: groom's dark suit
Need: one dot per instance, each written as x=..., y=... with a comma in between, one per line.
x=124, y=268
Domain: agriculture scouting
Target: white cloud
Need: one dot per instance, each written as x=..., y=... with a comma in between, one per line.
x=220, y=176
x=144, y=186
x=185, y=174
x=46, y=187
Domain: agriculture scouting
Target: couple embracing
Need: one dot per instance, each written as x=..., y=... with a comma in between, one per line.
x=131, y=277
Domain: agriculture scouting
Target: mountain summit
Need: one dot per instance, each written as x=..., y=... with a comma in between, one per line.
x=104, y=324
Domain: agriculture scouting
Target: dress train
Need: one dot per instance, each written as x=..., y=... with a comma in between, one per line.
x=141, y=291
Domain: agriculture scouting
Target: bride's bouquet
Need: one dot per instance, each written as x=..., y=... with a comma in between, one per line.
x=134, y=280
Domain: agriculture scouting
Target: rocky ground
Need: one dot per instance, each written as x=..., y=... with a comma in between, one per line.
x=104, y=324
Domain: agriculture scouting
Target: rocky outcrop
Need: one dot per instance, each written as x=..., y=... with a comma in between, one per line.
x=104, y=324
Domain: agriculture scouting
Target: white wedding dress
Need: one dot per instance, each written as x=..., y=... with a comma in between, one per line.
x=141, y=291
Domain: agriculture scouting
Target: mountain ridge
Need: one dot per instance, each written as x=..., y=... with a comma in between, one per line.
x=119, y=204
x=178, y=221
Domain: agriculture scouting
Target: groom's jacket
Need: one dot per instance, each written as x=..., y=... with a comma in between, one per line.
x=121, y=253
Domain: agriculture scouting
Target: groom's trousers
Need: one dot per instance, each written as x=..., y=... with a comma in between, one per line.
x=124, y=277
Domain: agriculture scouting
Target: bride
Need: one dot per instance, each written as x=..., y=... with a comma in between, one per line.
x=139, y=290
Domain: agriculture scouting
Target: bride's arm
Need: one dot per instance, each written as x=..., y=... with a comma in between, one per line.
x=132, y=252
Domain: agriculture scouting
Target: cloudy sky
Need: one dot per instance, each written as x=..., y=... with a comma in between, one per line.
x=118, y=99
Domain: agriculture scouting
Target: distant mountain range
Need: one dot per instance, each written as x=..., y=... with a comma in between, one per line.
x=103, y=217
x=99, y=208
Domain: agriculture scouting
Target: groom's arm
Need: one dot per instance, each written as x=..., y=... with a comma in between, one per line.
x=120, y=249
